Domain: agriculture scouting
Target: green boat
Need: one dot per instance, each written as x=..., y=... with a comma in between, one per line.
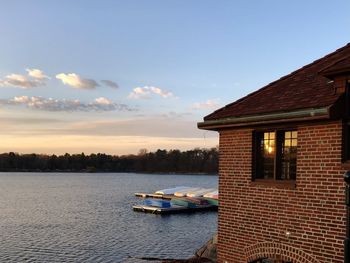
x=183, y=202
x=212, y=201
x=190, y=202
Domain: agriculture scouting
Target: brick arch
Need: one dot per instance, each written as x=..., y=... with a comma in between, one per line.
x=278, y=251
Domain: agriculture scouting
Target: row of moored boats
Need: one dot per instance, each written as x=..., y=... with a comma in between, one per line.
x=182, y=191
x=185, y=196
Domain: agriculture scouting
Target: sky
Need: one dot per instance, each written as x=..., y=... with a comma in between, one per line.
x=120, y=76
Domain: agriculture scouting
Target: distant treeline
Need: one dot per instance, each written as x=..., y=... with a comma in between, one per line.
x=161, y=161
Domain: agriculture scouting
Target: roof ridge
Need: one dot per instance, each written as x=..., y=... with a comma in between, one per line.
x=282, y=78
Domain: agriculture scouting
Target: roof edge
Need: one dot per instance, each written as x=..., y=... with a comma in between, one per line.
x=257, y=92
x=291, y=116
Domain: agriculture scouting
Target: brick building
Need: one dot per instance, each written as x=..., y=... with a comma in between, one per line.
x=283, y=152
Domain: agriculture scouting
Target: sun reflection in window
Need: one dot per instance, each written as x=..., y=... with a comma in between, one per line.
x=269, y=142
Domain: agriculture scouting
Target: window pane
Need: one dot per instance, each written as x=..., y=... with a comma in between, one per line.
x=268, y=155
x=287, y=143
x=289, y=156
x=288, y=135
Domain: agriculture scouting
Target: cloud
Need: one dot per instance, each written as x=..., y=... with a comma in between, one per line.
x=162, y=93
x=146, y=92
x=44, y=104
x=36, y=73
x=110, y=83
x=175, y=115
x=35, y=78
x=76, y=81
x=151, y=127
x=103, y=100
x=209, y=104
x=22, y=121
x=139, y=93
x=19, y=81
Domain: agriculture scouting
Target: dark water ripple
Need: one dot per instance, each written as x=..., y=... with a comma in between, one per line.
x=88, y=218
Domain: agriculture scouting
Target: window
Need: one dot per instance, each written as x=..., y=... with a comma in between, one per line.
x=275, y=154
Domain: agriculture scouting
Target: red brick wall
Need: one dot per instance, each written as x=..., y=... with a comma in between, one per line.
x=253, y=214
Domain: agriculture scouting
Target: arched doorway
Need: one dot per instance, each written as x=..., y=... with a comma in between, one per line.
x=270, y=260
x=273, y=252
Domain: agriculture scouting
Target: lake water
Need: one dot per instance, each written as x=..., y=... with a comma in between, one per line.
x=60, y=217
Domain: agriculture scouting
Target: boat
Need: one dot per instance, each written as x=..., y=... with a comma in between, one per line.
x=213, y=194
x=182, y=193
x=212, y=197
x=183, y=202
x=171, y=191
x=212, y=201
x=200, y=192
x=189, y=202
x=157, y=203
x=197, y=200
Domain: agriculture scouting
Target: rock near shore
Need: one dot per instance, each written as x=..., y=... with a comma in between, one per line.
x=209, y=250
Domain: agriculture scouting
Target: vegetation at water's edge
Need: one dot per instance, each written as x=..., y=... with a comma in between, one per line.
x=204, y=161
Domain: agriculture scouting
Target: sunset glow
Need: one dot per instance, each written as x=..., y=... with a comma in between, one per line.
x=119, y=76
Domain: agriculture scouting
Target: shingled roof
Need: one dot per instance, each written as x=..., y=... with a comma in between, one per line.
x=305, y=88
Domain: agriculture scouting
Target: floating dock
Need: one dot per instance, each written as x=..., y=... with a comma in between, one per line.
x=173, y=209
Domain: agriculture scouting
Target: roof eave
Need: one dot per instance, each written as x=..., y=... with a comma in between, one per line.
x=339, y=72
x=271, y=118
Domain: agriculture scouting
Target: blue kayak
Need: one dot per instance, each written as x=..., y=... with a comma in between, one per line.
x=157, y=203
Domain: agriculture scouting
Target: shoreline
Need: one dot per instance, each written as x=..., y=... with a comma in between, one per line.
x=206, y=254
x=104, y=172
x=158, y=260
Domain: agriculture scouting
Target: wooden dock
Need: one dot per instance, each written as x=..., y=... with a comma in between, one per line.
x=172, y=210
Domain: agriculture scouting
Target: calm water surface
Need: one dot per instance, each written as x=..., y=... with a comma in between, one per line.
x=50, y=217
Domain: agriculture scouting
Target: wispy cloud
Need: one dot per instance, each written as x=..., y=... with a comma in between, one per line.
x=110, y=83
x=151, y=127
x=15, y=122
x=146, y=92
x=175, y=115
x=209, y=104
x=35, y=78
x=75, y=81
x=44, y=104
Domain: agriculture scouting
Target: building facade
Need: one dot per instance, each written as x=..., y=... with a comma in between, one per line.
x=283, y=152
